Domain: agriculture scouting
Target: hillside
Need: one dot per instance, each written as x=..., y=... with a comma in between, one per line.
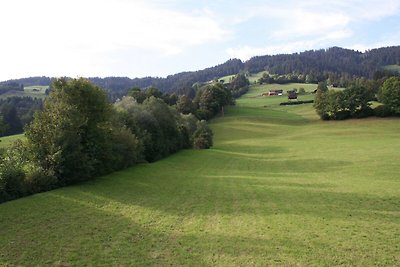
x=279, y=187
x=320, y=64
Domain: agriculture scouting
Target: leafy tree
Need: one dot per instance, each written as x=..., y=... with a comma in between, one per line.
x=11, y=119
x=202, y=136
x=68, y=138
x=357, y=99
x=152, y=91
x=12, y=174
x=3, y=126
x=137, y=94
x=185, y=105
x=212, y=100
x=321, y=100
x=389, y=94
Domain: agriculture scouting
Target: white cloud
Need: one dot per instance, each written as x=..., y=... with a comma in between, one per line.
x=76, y=37
x=322, y=41
x=246, y=52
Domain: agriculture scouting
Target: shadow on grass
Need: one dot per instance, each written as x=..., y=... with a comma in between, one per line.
x=251, y=193
x=83, y=229
x=265, y=115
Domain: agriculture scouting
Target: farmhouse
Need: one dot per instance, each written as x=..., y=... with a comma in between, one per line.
x=274, y=92
x=292, y=95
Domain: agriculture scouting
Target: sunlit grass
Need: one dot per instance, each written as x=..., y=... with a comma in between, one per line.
x=6, y=141
x=279, y=187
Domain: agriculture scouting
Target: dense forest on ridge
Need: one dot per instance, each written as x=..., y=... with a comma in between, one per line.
x=320, y=65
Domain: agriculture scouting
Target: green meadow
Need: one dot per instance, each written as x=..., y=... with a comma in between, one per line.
x=394, y=68
x=279, y=187
x=6, y=141
x=29, y=91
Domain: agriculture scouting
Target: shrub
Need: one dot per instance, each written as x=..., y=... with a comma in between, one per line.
x=342, y=115
x=202, y=136
x=11, y=181
x=364, y=112
x=383, y=111
x=39, y=181
x=296, y=102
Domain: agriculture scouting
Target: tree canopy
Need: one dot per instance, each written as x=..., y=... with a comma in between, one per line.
x=389, y=94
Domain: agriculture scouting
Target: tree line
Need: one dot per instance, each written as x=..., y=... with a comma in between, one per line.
x=327, y=63
x=16, y=112
x=355, y=101
x=336, y=65
x=79, y=135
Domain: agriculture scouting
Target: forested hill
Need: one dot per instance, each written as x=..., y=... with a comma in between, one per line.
x=319, y=63
x=333, y=60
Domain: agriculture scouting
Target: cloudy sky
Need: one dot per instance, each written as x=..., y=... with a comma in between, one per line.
x=136, y=38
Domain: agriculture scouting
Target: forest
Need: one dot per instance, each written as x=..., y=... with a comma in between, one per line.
x=337, y=64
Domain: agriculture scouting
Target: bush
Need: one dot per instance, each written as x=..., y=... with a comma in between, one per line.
x=296, y=102
x=364, y=113
x=202, y=136
x=39, y=181
x=383, y=111
x=342, y=115
x=11, y=181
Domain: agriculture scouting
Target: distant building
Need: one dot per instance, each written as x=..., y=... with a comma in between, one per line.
x=292, y=95
x=274, y=92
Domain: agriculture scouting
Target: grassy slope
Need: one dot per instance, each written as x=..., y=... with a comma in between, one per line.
x=29, y=91
x=8, y=140
x=395, y=68
x=279, y=187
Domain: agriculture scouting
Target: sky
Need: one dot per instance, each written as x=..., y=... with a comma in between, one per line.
x=135, y=38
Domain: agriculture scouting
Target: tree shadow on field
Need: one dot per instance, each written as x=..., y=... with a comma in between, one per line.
x=251, y=192
x=82, y=229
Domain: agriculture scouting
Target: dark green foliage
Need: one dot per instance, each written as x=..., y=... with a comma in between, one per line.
x=11, y=120
x=10, y=86
x=3, y=126
x=168, y=135
x=334, y=63
x=19, y=112
x=296, y=102
x=68, y=136
x=78, y=135
x=321, y=100
x=383, y=111
x=353, y=102
x=389, y=94
x=126, y=148
x=12, y=174
x=137, y=94
x=212, y=99
x=37, y=180
x=202, y=136
x=185, y=105
x=239, y=85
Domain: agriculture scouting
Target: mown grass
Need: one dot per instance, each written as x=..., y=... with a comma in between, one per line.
x=280, y=187
x=6, y=141
x=395, y=68
x=29, y=91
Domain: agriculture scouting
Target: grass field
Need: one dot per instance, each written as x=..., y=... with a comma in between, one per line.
x=395, y=68
x=280, y=187
x=8, y=140
x=30, y=91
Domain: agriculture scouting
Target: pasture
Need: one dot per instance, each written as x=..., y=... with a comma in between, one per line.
x=6, y=141
x=279, y=187
x=394, y=68
x=29, y=91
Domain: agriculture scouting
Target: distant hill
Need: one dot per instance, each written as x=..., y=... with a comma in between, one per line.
x=319, y=63
x=333, y=60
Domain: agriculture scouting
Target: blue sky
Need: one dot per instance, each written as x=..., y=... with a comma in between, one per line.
x=136, y=38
